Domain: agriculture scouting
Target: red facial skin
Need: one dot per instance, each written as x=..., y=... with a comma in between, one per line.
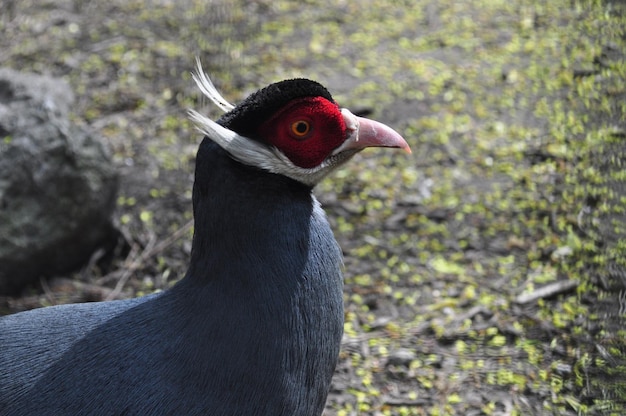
x=306, y=130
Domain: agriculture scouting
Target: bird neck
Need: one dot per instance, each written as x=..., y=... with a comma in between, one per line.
x=245, y=217
x=265, y=281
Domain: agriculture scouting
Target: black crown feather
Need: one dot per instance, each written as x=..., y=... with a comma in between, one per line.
x=258, y=107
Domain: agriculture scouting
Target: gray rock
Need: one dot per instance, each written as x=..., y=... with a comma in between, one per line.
x=57, y=183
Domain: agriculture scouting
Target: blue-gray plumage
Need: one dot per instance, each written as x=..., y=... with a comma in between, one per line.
x=254, y=327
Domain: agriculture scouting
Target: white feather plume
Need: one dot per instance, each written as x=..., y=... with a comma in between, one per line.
x=205, y=85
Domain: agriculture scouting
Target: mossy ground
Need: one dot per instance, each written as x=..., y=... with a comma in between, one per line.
x=515, y=114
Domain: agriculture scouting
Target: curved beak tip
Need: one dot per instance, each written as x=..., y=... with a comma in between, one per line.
x=372, y=133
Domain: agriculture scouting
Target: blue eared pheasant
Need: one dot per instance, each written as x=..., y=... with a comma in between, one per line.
x=254, y=327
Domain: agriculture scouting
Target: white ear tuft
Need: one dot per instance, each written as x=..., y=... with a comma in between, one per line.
x=208, y=89
x=223, y=136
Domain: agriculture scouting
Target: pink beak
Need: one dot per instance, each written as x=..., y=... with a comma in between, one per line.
x=363, y=132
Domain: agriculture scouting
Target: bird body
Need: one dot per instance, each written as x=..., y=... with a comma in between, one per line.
x=254, y=327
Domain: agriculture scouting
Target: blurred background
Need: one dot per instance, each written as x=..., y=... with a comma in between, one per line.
x=485, y=273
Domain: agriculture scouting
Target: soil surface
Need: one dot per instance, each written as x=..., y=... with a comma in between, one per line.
x=484, y=272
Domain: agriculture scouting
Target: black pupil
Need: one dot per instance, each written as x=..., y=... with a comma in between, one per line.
x=301, y=127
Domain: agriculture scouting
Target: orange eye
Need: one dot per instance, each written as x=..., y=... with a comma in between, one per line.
x=300, y=128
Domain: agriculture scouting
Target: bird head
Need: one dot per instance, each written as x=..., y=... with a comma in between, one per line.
x=293, y=128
